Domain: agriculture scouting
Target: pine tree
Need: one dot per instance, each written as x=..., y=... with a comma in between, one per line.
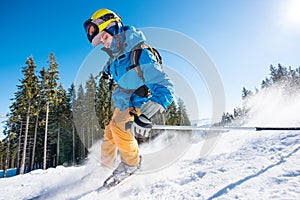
x=266, y=83
x=172, y=117
x=79, y=112
x=36, y=114
x=182, y=114
x=8, y=148
x=227, y=118
x=104, y=105
x=2, y=148
x=246, y=93
x=90, y=117
x=279, y=74
x=37, y=109
x=72, y=96
x=62, y=114
x=18, y=109
x=51, y=97
x=29, y=91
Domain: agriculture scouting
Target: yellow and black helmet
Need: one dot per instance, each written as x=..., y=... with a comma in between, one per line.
x=99, y=22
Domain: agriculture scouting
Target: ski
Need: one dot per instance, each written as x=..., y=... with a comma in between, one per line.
x=114, y=184
x=102, y=190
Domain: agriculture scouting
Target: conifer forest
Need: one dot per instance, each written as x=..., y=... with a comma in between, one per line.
x=40, y=131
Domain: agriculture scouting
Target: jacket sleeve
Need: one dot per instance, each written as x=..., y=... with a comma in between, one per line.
x=156, y=79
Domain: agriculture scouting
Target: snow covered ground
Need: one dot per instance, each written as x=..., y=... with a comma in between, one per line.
x=242, y=165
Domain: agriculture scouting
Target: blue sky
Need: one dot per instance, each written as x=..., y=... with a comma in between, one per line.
x=241, y=37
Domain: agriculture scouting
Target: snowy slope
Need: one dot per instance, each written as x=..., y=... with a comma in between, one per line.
x=242, y=165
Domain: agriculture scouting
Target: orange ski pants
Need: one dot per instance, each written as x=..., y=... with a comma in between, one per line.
x=116, y=137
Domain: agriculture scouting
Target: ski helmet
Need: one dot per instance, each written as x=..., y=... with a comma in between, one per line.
x=99, y=22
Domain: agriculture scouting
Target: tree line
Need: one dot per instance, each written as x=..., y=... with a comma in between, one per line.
x=287, y=78
x=48, y=125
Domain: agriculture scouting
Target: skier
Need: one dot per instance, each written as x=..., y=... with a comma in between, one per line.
x=143, y=88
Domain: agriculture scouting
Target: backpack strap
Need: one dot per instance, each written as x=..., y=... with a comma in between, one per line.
x=135, y=55
x=156, y=54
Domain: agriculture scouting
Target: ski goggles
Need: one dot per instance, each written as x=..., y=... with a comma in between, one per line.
x=93, y=27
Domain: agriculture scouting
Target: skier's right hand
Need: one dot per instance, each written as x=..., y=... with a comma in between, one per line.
x=141, y=126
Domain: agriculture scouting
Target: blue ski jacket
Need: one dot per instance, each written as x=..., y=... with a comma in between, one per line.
x=128, y=80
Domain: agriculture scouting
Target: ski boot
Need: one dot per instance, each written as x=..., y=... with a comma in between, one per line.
x=120, y=173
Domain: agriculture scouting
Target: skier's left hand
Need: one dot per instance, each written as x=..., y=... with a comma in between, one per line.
x=142, y=124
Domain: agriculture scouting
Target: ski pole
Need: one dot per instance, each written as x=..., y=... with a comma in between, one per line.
x=201, y=128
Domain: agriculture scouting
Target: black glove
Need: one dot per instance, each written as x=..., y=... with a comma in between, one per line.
x=142, y=124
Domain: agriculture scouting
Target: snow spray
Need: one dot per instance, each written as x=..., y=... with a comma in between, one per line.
x=274, y=107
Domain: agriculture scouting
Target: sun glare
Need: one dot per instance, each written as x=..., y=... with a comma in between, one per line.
x=291, y=13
